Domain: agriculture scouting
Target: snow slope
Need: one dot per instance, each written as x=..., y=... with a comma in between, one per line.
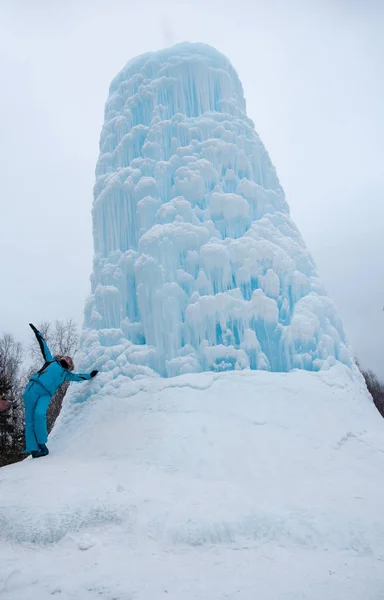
x=207, y=486
x=198, y=265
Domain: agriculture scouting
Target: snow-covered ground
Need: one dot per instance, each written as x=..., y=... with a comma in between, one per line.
x=246, y=485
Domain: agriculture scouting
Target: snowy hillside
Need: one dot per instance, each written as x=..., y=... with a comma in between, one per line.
x=198, y=265
x=208, y=486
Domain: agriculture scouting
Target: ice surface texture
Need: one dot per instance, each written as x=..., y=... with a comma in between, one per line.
x=198, y=265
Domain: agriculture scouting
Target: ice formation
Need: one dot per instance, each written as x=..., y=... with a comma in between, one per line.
x=198, y=265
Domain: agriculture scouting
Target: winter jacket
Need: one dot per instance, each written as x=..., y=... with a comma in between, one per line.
x=53, y=374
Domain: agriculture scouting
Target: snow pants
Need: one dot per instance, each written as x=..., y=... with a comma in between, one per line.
x=36, y=402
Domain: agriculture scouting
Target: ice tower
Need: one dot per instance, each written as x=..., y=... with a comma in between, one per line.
x=197, y=264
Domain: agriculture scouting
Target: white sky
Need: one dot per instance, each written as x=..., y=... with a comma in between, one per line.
x=312, y=73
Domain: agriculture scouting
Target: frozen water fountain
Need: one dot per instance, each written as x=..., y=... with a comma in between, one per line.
x=198, y=265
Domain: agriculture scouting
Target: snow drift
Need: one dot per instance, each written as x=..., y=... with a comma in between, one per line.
x=198, y=265
x=239, y=485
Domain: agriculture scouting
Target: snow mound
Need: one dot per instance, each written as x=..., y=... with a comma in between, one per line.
x=197, y=265
x=211, y=485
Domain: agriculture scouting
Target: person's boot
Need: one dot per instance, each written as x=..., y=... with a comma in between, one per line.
x=42, y=451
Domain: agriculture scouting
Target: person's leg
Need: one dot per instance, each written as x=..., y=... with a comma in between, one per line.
x=30, y=398
x=40, y=419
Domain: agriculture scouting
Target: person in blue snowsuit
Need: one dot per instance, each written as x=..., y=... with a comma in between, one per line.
x=39, y=391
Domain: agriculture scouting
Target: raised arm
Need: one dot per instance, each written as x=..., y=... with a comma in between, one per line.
x=45, y=351
x=80, y=376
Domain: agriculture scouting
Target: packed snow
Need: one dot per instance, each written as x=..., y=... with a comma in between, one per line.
x=197, y=265
x=243, y=485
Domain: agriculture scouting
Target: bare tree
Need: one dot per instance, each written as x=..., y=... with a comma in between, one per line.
x=62, y=338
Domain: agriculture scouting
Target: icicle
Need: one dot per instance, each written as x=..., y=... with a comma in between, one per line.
x=197, y=260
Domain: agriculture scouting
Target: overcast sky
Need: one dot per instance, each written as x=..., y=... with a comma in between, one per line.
x=312, y=73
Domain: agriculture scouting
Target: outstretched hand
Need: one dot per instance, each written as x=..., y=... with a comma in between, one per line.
x=94, y=373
